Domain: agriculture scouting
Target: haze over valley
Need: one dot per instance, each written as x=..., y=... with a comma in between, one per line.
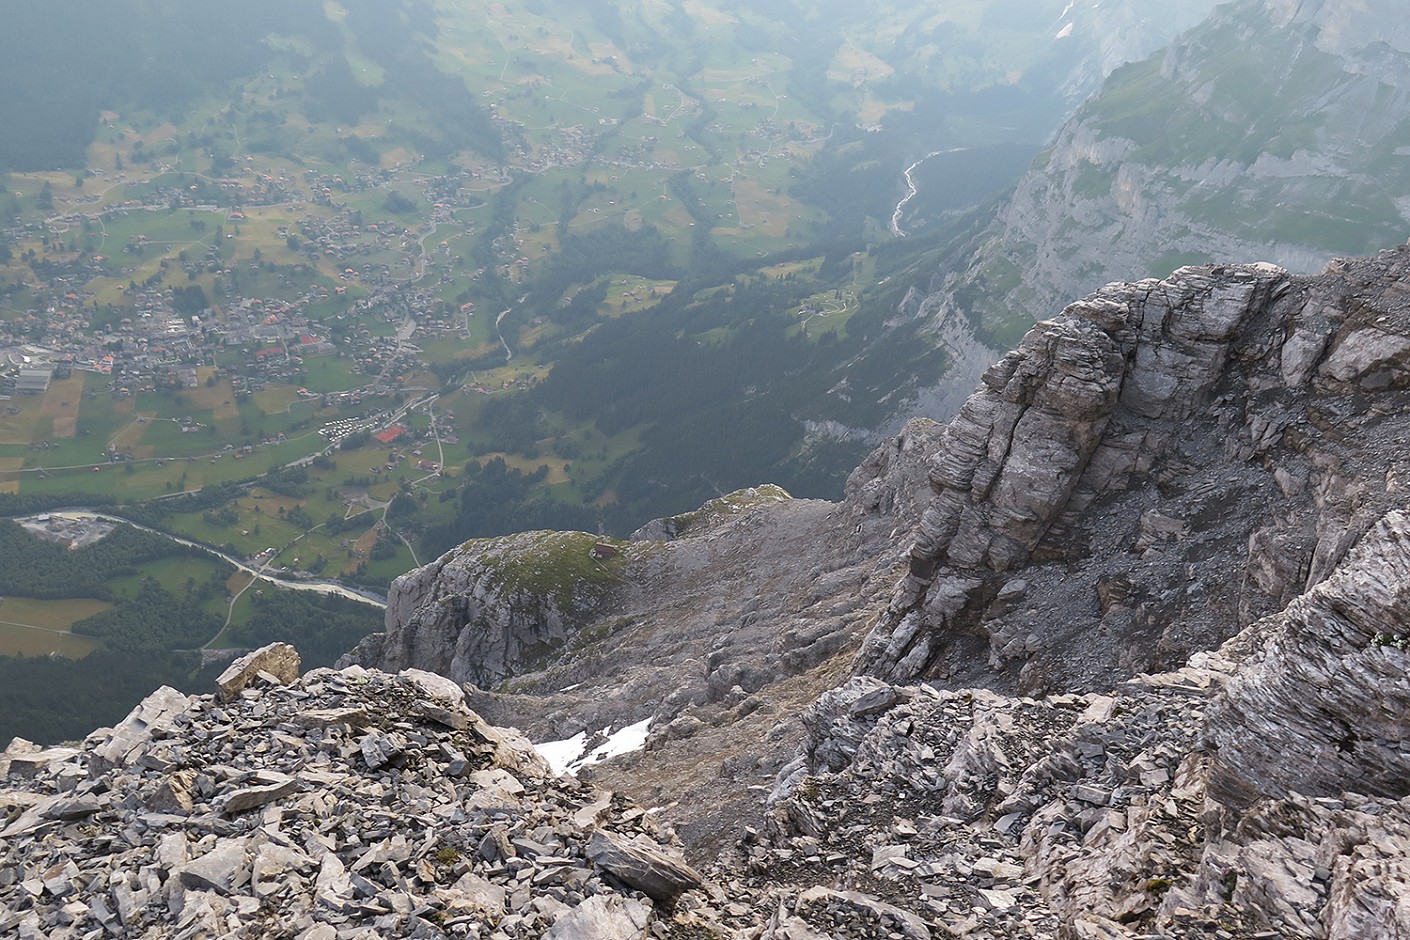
x=911, y=469
x=333, y=287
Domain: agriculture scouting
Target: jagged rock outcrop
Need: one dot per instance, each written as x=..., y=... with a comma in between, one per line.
x=715, y=625
x=1222, y=799
x=493, y=608
x=1093, y=494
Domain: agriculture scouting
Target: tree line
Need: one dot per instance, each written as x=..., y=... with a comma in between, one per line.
x=33, y=567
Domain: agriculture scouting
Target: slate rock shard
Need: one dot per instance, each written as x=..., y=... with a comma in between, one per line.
x=1320, y=706
x=643, y=865
x=277, y=661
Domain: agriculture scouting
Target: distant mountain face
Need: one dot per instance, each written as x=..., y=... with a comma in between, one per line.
x=1033, y=48
x=1274, y=131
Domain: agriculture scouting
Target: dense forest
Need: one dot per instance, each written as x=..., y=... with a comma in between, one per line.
x=498, y=500
x=146, y=633
x=50, y=699
x=321, y=627
x=721, y=382
x=155, y=619
x=32, y=567
x=717, y=382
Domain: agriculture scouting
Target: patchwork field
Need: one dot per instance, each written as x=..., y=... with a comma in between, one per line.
x=576, y=165
x=30, y=627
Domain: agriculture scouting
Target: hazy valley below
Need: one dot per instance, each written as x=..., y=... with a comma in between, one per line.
x=379, y=278
x=722, y=469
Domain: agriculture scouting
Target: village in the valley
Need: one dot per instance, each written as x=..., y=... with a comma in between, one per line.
x=282, y=332
x=167, y=330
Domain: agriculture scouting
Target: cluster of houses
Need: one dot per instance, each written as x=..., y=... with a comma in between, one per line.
x=345, y=238
x=155, y=338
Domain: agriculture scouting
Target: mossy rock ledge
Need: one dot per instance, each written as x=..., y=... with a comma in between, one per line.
x=494, y=608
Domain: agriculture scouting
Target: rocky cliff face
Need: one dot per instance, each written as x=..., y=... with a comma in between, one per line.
x=1093, y=497
x=1119, y=651
x=1274, y=130
x=1160, y=466
x=1257, y=791
x=494, y=608
x=715, y=625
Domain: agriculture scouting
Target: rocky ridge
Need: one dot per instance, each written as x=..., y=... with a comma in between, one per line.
x=1092, y=497
x=357, y=803
x=1262, y=790
x=349, y=804
x=1157, y=468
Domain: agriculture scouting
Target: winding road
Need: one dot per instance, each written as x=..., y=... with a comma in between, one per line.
x=319, y=586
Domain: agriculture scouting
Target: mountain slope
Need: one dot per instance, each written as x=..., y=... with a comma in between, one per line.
x=1173, y=458
x=1273, y=130
x=1163, y=464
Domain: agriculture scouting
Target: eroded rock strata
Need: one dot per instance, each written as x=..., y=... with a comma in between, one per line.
x=1144, y=475
x=1259, y=791
x=1121, y=651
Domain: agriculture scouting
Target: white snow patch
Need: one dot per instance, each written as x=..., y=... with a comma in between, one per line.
x=1064, y=32
x=631, y=738
x=566, y=756
x=561, y=754
x=1067, y=9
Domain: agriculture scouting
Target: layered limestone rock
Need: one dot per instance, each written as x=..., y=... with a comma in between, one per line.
x=1259, y=791
x=1031, y=451
x=1093, y=495
x=1321, y=704
x=494, y=608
